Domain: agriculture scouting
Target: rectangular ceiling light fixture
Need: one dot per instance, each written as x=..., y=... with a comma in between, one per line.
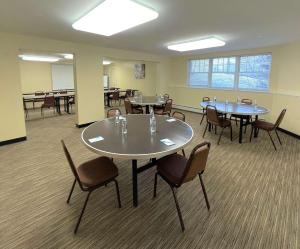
x=38, y=58
x=114, y=16
x=195, y=45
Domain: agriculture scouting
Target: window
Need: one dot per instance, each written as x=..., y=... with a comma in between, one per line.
x=223, y=72
x=254, y=72
x=199, y=70
x=235, y=72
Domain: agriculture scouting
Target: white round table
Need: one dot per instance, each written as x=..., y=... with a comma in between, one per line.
x=138, y=143
x=241, y=109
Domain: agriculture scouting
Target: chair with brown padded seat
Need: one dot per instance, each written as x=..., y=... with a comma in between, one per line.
x=269, y=127
x=131, y=109
x=38, y=93
x=213, y=119
x=176, y=170
x=166, y=96
x=180, y=116
x=92, y=175
x=49, y=101
x=161, y=107
x=127, y=94
x=115, y=95
x=166, y=110
x=204, y=99
x=112, y=112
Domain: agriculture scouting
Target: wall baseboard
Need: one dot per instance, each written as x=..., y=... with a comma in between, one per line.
x=187, y=108
x=84, y=125
x=12, y=141
x=289, y=133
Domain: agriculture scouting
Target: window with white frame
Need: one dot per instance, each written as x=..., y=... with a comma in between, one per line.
x=249, y=72
x=199, y=70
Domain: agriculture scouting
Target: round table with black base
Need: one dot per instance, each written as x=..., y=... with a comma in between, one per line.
x=138, y=143
x=147, y=101
x=241, y=109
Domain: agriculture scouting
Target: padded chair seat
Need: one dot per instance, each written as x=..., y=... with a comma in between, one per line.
x=97, y=171
x=260, y=124
x=172, y=168
x=225, y=122
x=137, y=110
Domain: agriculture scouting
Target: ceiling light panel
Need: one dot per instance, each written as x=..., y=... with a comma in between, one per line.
x=114, y=16
x=195, y=45
x=39, y=58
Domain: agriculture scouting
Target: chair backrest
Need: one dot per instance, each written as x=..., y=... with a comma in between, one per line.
x=49, y=100
x=24, y=105
x=39, y=93
x=128, y=93
x=280, y=118
x=128, y=106
x=71, y=164
x=205, y=99
x=166, y=96
x=179, y=115
x=115, y=94
x=212, y=115
x=168, y=106
x=247, y=101
x=197, y=162
x=112, y=112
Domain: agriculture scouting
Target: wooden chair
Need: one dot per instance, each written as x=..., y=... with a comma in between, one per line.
x=112, y=112
x=38, y=93
x=92, y=175
x=131, y=109
x=204, y=99
x=127, y=94
x=49, y=102
x=71, y=102
x=177, y=170
x=180, y=116
x=268, y=127
x=213, y=119
x=166, y=96
x=25, y=108
x=166, y=110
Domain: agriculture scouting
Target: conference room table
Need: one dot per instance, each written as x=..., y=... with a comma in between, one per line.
x=241, y=109
x=58, y=96
x=148, y=101
x=107, y=139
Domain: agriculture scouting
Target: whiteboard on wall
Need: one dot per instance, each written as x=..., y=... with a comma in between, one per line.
x=62, y=77
x=105, y=81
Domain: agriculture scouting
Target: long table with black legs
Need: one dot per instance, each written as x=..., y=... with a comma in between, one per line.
x=138, y=143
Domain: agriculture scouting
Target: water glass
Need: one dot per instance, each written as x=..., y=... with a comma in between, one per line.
x=117, y=118
x=124, y=126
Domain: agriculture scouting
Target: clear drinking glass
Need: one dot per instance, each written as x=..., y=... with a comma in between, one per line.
x=124, y=126
x=152, y=124
x=117, y=118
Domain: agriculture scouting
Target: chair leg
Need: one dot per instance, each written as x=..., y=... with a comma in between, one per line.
x=202, y=118
x=278, y=137
x=183, y=153
x=252, y=129
x=178, y=209
x=118, y=193
x=216, y=130
x=204, y=192
x=205, y=129
x=71, y=191
x=272, y=140
x=231, y=133
x=155, y=185
x=220, y=135
x=82, y=212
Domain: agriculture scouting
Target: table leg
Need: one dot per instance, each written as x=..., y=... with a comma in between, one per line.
x=108, y=100
x=147, y=109
x=57, y=103
x=134, y=183
x=256, y=130
x=241, y=130
x=67, y=104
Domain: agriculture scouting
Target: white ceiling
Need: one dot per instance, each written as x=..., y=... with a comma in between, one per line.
x=240, y=23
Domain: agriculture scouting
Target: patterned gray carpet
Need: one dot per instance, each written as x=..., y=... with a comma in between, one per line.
x=254, y=194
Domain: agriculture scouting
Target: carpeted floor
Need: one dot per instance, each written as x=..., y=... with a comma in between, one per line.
x=254, y=194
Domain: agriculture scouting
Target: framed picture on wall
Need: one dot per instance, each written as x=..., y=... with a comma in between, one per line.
x=139, y=71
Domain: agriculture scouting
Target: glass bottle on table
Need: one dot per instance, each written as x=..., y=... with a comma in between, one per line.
x=152, y=121
x=117, y=118
x=124, y=126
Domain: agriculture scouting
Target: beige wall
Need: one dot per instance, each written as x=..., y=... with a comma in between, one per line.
x=284, y=84
x=121, y=74
x=35, y=76
x=88, y=78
